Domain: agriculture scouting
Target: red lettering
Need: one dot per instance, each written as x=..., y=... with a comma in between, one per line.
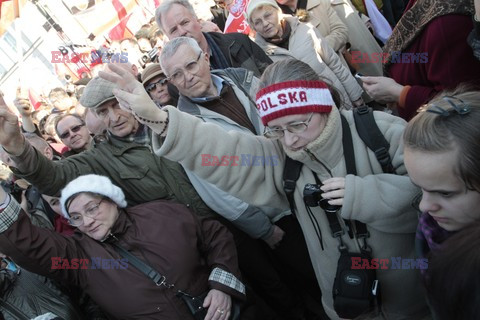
x=384, y=263
x=271, y=104
x=55, y=263
x=356, y=263
x=376, y=57
x=262, y=105
x=84, y=263
x=282, y=98
x=56, y=58
x=215, y=161
x=366, y=58
x=356, y=56
x=302, y=95
x=365, y=264
x=66, y=59
x=374, y=263
x=384, y=57
x=74, y=264
x=65, y=264
x=206, y=159
x=293, y=97
x=224, y=161
x=233, y=161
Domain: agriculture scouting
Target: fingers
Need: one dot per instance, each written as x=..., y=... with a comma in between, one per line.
x=111, y=76
x=219, y=305
x=333, y=184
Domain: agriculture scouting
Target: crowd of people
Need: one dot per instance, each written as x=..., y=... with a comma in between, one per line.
x=309, y=170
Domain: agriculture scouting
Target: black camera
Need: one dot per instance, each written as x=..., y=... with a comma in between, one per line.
x=150, y=56
x=13, y=189
x=312, y=195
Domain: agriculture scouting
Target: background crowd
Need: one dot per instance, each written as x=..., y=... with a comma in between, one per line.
x=282, y=272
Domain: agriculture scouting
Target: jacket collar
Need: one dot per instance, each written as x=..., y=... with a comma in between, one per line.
x=326, y=150
x=120, y=226
x=312, y=4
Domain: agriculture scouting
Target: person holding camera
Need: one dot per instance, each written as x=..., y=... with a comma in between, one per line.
x=304, y=123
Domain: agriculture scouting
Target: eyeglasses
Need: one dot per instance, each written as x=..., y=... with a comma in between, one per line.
x=74, y=129
x=76, y=219
x=192, y=67
x=295, y=127
x=154, y=85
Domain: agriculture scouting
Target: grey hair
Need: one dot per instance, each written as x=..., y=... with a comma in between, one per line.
x=172, y=46
x=166, y=5
x=292, y=69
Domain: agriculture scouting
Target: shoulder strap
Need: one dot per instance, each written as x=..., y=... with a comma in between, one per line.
x=361, y=228
x=291, y=173
x=142, y=266
x=371, y=135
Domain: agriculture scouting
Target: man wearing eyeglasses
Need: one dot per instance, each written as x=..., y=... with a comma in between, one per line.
x=177, y=18
x=156, y=84
x=124, y=156
x=74, y=134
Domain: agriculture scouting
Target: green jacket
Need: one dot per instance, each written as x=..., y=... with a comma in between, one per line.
x=133, y=167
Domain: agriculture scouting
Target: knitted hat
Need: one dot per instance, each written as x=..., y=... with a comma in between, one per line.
x=151, y=72
x=97, y=92
x=293, y=97
x=92, y=183
x=254, y=4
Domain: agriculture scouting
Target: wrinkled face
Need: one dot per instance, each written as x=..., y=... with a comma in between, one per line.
x=297, y=141
x=54, y=203
x=73, y=133
x=159, y=93
x=193, y=84
x=179, y=22
x=266, y=22
x=106, y=213
x=119, y=122
x=445, y=196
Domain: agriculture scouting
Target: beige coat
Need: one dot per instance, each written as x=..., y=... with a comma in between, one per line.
x=382, y=201
x=360, y=38
x=326, y=20
x=306, y=44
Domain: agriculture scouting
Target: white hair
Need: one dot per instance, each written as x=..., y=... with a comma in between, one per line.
x=171, y=48
x=166, y=5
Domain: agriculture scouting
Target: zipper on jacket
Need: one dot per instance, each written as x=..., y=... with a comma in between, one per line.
x=314, y=158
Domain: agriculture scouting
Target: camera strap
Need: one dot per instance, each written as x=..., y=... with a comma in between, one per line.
x=361, y=231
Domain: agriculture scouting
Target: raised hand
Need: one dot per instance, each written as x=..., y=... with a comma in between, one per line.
x=11, y=137
x=131, y=94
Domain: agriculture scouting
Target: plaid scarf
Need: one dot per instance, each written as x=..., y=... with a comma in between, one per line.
x=415, y=19
x=142, y=136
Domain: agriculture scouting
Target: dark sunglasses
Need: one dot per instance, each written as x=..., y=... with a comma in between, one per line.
x=66, y=134
x=154, y=85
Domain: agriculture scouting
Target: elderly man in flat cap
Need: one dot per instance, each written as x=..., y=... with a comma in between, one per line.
x=125, y=156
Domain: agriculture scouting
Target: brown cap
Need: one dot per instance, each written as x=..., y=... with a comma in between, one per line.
x=151, y=72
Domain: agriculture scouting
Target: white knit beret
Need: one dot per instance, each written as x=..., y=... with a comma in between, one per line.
x=254, y=4
x=92, y=183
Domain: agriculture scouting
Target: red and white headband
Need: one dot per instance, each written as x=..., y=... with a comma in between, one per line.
x=293, y=97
